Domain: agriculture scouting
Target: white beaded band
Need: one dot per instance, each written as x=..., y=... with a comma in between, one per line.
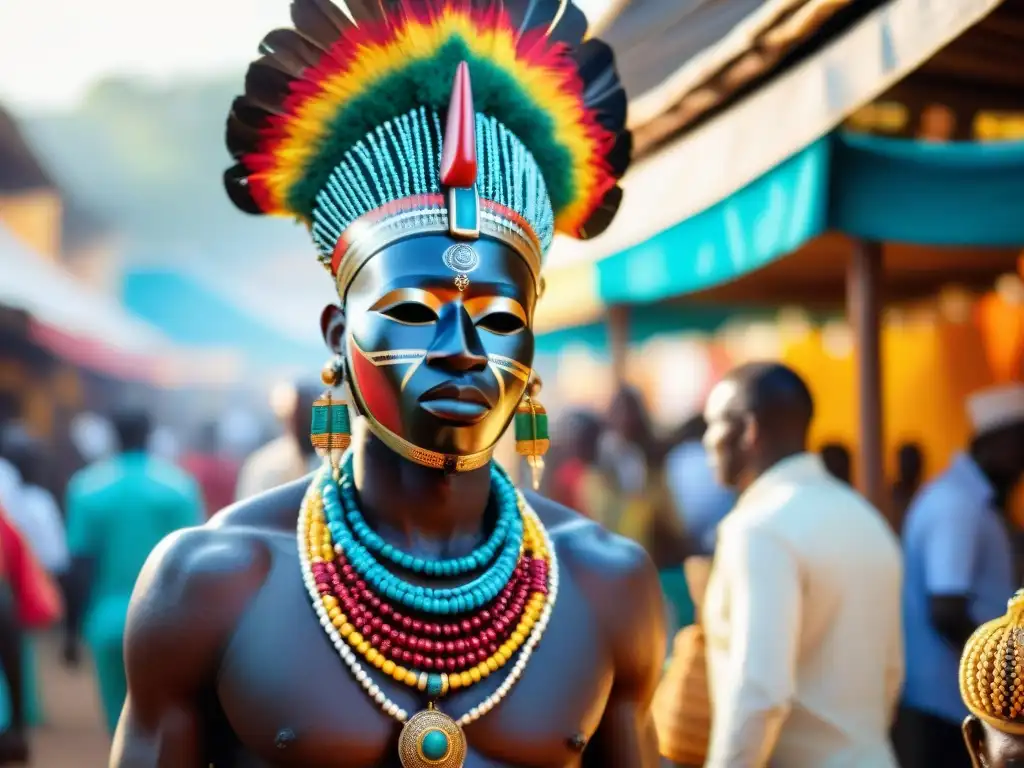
x=351, y=659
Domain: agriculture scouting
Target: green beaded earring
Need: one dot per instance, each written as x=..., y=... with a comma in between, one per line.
x=330, y=429
x=532, y=430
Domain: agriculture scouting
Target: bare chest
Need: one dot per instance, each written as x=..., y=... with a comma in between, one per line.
x=289, y=699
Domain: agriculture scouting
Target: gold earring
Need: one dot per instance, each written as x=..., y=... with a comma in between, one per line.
x=531, y=421
x=330, y=428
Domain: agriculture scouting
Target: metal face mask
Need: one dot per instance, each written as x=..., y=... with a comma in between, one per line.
x=439, y=346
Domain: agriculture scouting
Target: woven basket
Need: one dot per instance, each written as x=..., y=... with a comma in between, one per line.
x=682, y=706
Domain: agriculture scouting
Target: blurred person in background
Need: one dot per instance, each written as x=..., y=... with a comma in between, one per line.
x=960, y=573
x=14, y=745
x=634, y=459
x=118, y=511
x=701, y=500
x=837, y=460
x=909, y=473
x=575, y=478
x=214, y=470
x=286, y=458
x=802, y=611
x=35, y=511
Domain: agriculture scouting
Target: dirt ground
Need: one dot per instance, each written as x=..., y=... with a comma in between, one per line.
x=74, y=735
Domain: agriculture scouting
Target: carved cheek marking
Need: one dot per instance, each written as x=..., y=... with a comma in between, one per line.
x=377, y=392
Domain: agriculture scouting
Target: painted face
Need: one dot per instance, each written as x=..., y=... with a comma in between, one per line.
x=438, y=341
x=723, y=439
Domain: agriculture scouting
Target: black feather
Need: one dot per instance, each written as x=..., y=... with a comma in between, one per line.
x=242, y=137
x=236, y=183
x=319, y=20
x=266, y=84
x=292, y=48
x=621, y=153
x=602, y=217
x=529, y=15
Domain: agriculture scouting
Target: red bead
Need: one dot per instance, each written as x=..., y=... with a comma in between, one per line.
x=475, y=622
x=485, y=615
x=460, y=646
x=375, y=641
x=407, y=622
x=460, y=661
x=417, y=660
x=448, y=630
x=402, y=639
x=386, y=629
x=426, y=646
x=471, y=659
x=398, y=618
x=450, y=664
x=428, y=663
x=407, y=657
x=376, y=623
x=474, y=643
x=385, y=646
x=417, y=626
x=396, y=653
x=466, y=626
x=375, y=602
x=449, y=647
x=385, y=609
x=490, y=634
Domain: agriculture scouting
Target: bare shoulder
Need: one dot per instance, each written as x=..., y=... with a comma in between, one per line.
x=586, y=547
x=198, y=581
x=619, y=580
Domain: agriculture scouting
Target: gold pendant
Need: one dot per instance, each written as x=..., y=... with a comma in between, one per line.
x=431, y=739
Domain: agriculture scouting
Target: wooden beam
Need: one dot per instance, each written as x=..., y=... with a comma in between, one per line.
x=864, y=310
x=618, y=340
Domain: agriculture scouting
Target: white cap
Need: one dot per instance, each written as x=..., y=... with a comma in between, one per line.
x=996, y=407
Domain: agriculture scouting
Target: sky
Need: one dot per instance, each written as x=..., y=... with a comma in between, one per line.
x=52, y=51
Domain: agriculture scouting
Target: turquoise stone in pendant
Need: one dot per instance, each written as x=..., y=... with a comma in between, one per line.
x=434, y=745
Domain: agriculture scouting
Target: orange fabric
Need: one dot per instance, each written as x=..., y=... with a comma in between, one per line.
x=36, y=597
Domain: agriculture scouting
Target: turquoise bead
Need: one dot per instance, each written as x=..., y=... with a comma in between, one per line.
x=434, y=686
x=434, y=745
x=359, y=542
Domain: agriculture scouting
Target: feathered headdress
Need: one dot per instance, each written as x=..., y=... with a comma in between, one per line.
x=341, y=125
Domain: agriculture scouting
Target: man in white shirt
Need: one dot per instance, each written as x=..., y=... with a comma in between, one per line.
x=802, y=614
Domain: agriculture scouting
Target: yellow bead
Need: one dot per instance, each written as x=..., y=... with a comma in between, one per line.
x=492, y=665
x=364, y=647
x=346, y=630
x=411, y=678
x=399, y=673
x=372, y=655
x=355, y=639
x=330, y=601
x=474, y=673
x=467, y=679
x=332, y=612
x=506, y=649
x=502, y=657
x=454, y=682
x=517, y=638
x=339, y=621
x=483, y=669
x=388, y=667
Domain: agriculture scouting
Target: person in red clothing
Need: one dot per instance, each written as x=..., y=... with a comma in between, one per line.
x=216, y=472
x=580, y=436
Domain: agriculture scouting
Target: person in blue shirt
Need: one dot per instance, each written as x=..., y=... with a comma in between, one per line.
x=118, y=510
x=960, y=572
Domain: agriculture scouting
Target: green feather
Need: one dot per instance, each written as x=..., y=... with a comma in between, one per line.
x=428, y=83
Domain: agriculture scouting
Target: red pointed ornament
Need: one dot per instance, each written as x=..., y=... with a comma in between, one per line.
x=458, y=159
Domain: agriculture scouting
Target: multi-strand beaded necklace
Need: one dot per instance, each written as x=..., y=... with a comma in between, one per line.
x=434, y=640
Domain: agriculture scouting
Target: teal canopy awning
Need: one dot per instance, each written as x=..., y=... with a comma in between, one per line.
x=892, y=190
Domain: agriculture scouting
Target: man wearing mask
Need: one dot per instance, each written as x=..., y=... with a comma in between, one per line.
x=285, y=458
x=960, y=573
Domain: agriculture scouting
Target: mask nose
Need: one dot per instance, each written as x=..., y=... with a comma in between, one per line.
x=456, y=346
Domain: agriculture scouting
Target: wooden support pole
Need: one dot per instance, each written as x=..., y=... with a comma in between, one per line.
x=864, y=311
x=618, y=340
